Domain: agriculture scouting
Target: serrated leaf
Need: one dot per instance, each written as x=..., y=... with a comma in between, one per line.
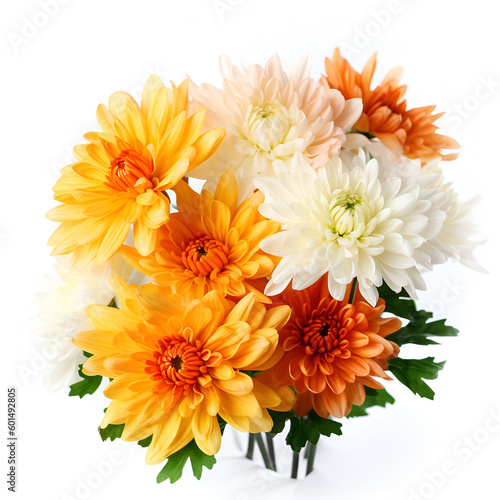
x=310, y=429
x=374, y=397
x=418, y=330
x=279, y=420
x=297, y=435
x=324, y=426
x=411, y=373
x=399, y=304
x=88, y=385
x=111, y=432
x=176, y=462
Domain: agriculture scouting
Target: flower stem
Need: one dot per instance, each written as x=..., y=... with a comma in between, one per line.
x=295, y=465
x=272, y=455
x=311, y=454
x=353, y=290
x=251, y=446
x=263, y=451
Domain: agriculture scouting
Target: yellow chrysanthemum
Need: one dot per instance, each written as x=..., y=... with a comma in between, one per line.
x=119, y=177
x=212, y=243
x=176, y=368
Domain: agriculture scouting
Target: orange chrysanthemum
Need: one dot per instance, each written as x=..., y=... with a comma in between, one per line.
x=119, y=178
x=333, y=349
x=410, y=132
x=212, y=243
x=176, y=368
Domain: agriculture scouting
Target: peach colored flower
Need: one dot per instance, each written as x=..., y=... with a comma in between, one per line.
x=269, y=116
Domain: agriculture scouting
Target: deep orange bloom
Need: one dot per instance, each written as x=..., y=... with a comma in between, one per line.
x=333, y=349
x=212, y=243
x=175, y=367
x=405, y=131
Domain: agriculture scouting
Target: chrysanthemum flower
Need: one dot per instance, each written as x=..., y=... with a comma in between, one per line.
x=119, y=177
x=455, y=238
x=67, y=293
x=176, y=368
x=450, y=231
x=406, y=131
x=347, y=223
x=269, y=117
x=212, y=243
x=333, y=349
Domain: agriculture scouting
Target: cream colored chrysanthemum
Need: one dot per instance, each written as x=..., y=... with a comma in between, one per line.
x=345, y=222
x=269, y=117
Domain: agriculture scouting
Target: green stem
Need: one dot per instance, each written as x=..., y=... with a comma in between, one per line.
x=272, y=455
x=251, y=446
x=263, y=451
x=295, y=465
x=353, y=290
x=311, y=454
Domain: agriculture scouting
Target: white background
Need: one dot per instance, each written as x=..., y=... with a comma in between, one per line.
x=51, y=85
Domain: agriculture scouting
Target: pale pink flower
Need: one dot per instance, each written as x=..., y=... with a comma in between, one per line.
x=269, y=117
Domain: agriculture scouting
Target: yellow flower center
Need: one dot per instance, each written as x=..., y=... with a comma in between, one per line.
x=348, y=211
x=202, y=255
x=128, y=167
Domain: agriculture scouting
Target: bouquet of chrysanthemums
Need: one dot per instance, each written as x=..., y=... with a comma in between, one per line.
x=275, y=296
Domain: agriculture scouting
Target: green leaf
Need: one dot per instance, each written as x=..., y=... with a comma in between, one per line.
x=251, y=373
x=374, y=397
x=88, y=385
x=111, y=432
x=145, y=442
x=410, y=372
x=310, y=428
x=418, y=330
x=298, y=435
x=222, y=424
x=398, y=304
x=176, y=462
x=279, y=420
x=324, y=426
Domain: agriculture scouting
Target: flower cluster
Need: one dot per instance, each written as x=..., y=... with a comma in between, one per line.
x=274, y=294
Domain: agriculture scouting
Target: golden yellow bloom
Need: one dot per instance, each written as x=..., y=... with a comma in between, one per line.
x=119, y=176
x=211, y=244
x=176, y=368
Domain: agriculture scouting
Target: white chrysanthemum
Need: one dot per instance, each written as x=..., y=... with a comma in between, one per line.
x=68, y=293
x=343, y=221
x=454, y=240
x=269, y=117
x=450, y=231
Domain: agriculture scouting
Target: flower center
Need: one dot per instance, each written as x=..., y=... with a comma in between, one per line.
x=348, y=212
x=266, y=127
x=325, y=334
x=177, y=362
x=204, y=255
x=322, y=331
x=129, y=167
